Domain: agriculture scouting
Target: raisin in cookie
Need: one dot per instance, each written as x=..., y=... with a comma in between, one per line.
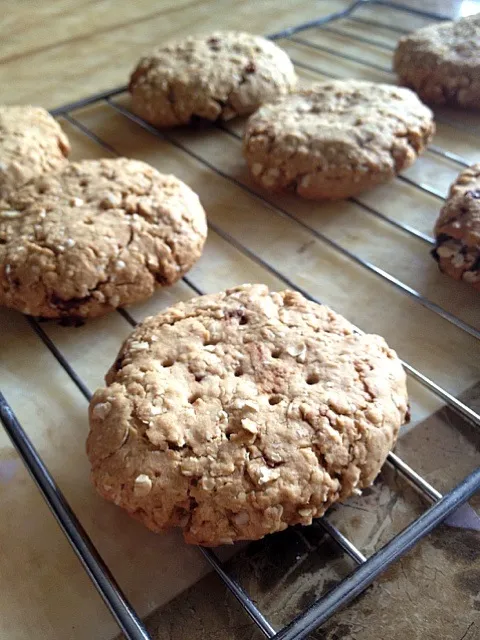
x=213, y=77
x=441, y=62
x=98, y=235
x=337, y=138
x=237, y=414
x=31, y=143
x=457, y=230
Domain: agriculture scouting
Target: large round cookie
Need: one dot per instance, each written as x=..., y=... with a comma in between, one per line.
x=337, y=138
x=213, y=77
x=31, y=143
x=457, y=231
x=98, y=235
x=442, y=62
x=237, y=414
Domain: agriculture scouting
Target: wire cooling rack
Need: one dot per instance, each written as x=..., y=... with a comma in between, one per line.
x=441, y=506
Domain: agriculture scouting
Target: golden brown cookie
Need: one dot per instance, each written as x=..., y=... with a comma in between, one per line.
x=457, y=231
x=337, y=138
x=237, y=414
x=31, y=143
x=215, y=77
x=98, y=235
x=441, y=62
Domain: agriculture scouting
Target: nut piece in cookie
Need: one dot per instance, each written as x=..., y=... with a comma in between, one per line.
x=31, y=143
x=237, y=414
x=441, y=62
x=214, y=77
x=336, y=139
x=98, y=235
x=457, y=230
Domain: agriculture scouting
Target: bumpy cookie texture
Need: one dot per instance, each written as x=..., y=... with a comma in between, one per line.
x=98, y=235
x=31, y=143
x=442, y=62
x=237, y=414
x=337, y=138
x=457, y=231
x=214, y=77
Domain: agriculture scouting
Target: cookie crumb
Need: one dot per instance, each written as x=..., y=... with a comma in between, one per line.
x=241, y=518
x=101, y=410
x=249, y=425
x=142, y=486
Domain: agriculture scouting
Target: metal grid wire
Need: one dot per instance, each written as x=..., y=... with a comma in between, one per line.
x=367, y=569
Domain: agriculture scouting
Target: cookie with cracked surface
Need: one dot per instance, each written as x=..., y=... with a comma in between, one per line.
x=441, y=62
x=457, y=230
x=31, y=143
x=214, y=77
x=336, y=139
x=237, y=414
x=98, y=235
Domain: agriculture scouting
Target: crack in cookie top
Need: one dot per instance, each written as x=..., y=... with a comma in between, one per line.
x=213, y=77
x=237, y=414
x=31, y=143
x=98, y=235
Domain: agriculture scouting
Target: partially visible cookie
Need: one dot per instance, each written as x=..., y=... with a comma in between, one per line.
x=98, y=235
x=441, y=62
x=31, y=143
x=457, y=231
x=237, y=414
x=215, y=77
x=337, y=138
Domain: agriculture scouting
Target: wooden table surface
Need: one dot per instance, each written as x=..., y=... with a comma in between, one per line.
x=57, y=51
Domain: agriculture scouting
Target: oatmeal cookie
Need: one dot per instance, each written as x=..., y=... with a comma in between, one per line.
x=237, y=414
x=441, y=62
x=31, y=143
x=457, y=231
x=337, y=138
x=98, y=235
x=215, y=77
